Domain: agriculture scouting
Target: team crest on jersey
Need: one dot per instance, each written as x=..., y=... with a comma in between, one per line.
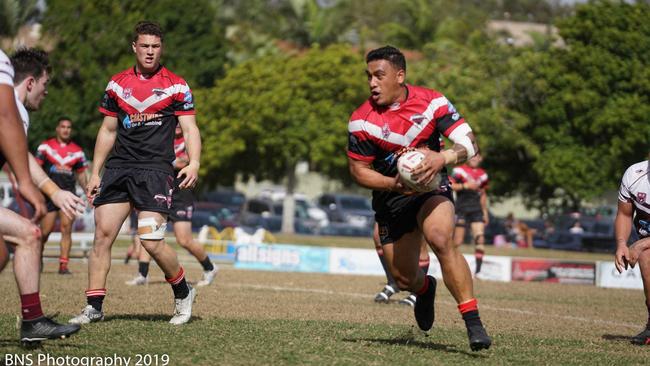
x=126, y=93
x=418, y=119
x=385, y=131
x=641, y=197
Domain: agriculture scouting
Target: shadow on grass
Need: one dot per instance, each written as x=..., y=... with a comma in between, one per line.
x=617, y=337
x=146, y=317
x=51, y=343
x=410, y=342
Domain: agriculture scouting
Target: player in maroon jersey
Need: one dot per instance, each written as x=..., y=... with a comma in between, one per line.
x=135, y=145
x=181, y=218
x=470, y=183
x=395, y=118
x=63, y=161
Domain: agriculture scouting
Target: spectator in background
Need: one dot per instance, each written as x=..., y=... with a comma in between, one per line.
x=577, y=228
x=518, y=232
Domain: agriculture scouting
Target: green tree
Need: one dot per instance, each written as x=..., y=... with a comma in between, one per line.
x=92, y=41
x=268, y=114
x=588, y=102
x=15, y=13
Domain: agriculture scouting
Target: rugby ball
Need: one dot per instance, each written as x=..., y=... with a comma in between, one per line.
x=406, y=163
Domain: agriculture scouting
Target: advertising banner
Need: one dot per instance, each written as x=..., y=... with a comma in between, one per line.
x=546, y=270
x=355, y=261
x=279, y=257
x=220, y=250
x=609, y=277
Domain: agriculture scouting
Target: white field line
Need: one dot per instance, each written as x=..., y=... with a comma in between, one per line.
x=487, y=307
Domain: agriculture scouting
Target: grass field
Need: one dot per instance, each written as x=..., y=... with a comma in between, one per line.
x=271, y=318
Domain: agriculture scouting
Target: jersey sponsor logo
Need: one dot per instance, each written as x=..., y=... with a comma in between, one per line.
x=641, y=197
x=142, y=119
x=181, y=213
x=189, y=102
x=161, y=199
x=450, y=107
x=158, y=92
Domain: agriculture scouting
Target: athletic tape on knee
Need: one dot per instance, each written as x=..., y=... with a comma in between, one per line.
x=149, y=229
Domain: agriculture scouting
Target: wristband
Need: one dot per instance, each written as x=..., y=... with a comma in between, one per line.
x=451, y=157
x=48, y=187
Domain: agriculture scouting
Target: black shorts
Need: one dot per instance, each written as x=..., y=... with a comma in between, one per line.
x=393, y=226
x=182, y=206
x=146, y=189
x=464, y=216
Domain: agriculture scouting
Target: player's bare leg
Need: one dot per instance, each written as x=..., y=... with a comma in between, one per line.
x=26, y=237
x=459, y=233
x=643, y=338
x=435, y=219
x=4, y=254
x=478, y=234
x=183, y=233
x=66, y=243
x=108, y=221
x=47, y=225
x=165, y=257
x=144, y=259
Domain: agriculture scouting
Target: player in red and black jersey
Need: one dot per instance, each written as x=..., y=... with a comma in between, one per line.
x=398, y=117
x=63, y=161
x=470, y=184
x=181, y=218
x=135, y=145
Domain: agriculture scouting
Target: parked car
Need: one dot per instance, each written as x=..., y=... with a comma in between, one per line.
x=212, y=214
x=302, y=203
x=343, y=229
x=267, y=214
x=352, y=209
x=230, y=199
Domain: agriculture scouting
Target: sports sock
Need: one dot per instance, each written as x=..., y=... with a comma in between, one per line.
x=95, y=298
x=389, y=277
x=63, y=263
x=424, y=264
x=143, y=268
x=207, y=264
x=478, y=254
x=30, y=305
x=469, y=311
x=179, y=285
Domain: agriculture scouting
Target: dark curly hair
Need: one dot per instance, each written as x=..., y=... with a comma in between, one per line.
x=30, y=62
x=390, y=54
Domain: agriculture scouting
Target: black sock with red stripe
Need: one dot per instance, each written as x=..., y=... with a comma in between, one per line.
x=30, y=305
x=95, y=298
x=179, y=285
x=469, y=312
x=63, y=263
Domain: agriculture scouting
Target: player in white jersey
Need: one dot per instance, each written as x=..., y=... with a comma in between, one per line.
x=634, y=207
x=13, y=147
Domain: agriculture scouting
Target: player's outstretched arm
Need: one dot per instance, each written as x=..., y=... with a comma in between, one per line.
x=70, y=204
x=622, y=228
x=105, y=140
x=13, y=144
x=193, y=145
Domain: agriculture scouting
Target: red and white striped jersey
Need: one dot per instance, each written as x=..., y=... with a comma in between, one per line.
x=179, y=148
x=60, y=161
x=377, y=133
x=467, y=198
x=147, y=111
x=635, y=189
